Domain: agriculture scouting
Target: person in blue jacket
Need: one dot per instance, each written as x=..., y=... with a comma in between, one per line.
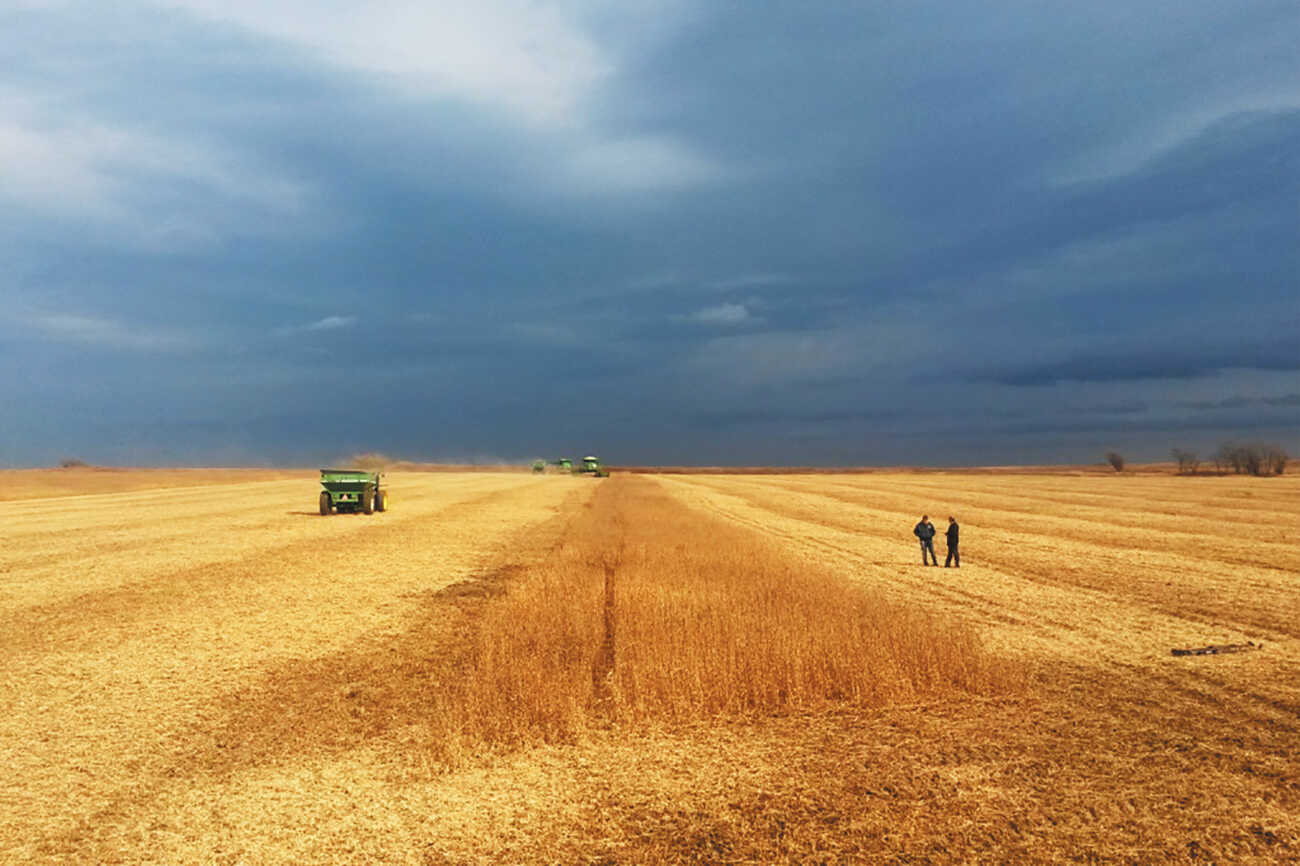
x=925, y=532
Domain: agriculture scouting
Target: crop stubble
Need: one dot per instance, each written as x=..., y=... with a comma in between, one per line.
x=1135, y=754
x=195, y=677
x=129, y=624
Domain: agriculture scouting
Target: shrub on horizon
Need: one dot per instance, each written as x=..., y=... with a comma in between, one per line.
x=1187, y=461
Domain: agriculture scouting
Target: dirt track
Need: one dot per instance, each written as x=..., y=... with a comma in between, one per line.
x=131, y=623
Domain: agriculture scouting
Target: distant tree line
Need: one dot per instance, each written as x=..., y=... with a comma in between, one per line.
x=1251, y=458
x=1243, y=458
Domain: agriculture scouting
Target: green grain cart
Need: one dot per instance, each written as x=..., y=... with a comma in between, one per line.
x=352, y=490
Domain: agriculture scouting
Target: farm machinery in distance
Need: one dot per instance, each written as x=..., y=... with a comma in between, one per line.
x=590, y=465
x=352, y=490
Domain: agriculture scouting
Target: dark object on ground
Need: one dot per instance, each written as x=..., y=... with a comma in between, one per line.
x=1217, y=649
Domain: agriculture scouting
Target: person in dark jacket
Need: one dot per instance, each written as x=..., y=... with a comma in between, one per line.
x=954, y=558
x=925, y=532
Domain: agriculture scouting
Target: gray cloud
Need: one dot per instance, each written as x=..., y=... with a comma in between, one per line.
x=1170, y=362
x=327, y=323
x=717, y=229
x=1240, y=402
x=107, y=333
x=781, y=415
x=722, y=314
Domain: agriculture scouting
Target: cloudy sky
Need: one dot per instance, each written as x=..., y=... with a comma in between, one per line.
x=668, y=232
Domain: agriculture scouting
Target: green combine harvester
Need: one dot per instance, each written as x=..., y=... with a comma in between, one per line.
x=591, y=466
x=352, y=490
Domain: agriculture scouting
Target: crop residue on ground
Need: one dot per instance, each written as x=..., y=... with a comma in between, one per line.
x=214, y=673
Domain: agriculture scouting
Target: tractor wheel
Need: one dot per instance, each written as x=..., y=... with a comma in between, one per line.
x=381, y=500
x=324, y=502
x=368, y=502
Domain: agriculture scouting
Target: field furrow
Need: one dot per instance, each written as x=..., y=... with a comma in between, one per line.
x=693, y=668
x=1014, y=587
x=1254, y=596
x=118, y=657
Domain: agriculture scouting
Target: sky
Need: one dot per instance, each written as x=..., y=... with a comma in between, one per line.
x=815, y=233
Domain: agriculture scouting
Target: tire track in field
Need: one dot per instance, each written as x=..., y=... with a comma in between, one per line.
x=109, y=523
x=1246, y=492
x=1208, y=587
x=1207, y=592
x=1262, y=707
x=868, y=529
x=108, y=617
x=1156, y=492
x=327, y=705
x=807, y=534
x=1247, y=691
x=1242, y=529
x=1059, y=620
x=100, y=690
x=1204, y=693
x=132, y=537
x=1000, y=507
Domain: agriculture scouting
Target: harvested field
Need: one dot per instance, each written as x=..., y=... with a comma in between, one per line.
x=161, y=645
x=1123, y=751
x=207, y=673
x=93, y=480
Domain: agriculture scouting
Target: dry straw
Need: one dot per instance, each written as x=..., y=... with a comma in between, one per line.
x=707, y=620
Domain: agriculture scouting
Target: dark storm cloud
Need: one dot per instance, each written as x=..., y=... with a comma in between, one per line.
x=776, y=415
x=1244, y=171
x=1239, y=402
x=1168, y=363
x=1245, y=421
x=710, y=231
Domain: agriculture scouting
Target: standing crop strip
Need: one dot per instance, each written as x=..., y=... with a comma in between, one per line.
x=649, y=612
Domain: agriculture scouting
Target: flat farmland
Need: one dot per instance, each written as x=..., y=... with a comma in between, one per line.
x=1124, y=751
x=1113, y=571
x=164, y=648
x=211, y=672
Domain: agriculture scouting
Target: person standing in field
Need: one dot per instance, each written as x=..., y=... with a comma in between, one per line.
x=954, y=559
x=925, y=532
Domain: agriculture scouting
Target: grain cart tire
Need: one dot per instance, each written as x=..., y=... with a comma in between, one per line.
x=368, y=501
x=381, y=500
x=324, y=502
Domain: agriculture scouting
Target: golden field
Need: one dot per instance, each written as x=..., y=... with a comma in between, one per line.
x=200, y=669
